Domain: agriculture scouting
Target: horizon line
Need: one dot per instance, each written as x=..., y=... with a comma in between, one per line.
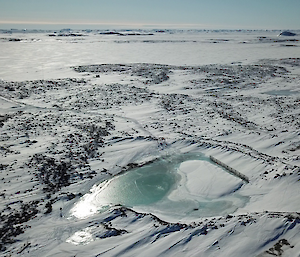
x=137, y=25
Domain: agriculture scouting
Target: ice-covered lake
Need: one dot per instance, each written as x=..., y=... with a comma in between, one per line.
x=181, y=186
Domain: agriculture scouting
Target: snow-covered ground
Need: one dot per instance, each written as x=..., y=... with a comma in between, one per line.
x=106, y=139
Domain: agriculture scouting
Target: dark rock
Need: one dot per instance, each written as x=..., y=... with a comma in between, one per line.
x=287, y=33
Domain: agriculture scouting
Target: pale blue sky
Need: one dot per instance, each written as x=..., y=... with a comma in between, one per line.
x=201, y=14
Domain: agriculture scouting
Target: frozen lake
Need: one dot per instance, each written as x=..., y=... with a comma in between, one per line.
x=172, y=187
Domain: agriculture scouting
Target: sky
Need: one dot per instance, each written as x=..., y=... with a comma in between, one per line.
x=197, y=14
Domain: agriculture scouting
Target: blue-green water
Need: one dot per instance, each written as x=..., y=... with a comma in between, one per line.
x=149, y=188
x=145, y=185
x=141, y=186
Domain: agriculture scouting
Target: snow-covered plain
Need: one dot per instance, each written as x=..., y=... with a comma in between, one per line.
x=106, y=140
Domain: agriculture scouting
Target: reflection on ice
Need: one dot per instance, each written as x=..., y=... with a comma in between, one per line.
x=88, y=206
x=185, y=185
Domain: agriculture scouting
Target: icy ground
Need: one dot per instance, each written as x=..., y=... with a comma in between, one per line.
x=61, y=138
